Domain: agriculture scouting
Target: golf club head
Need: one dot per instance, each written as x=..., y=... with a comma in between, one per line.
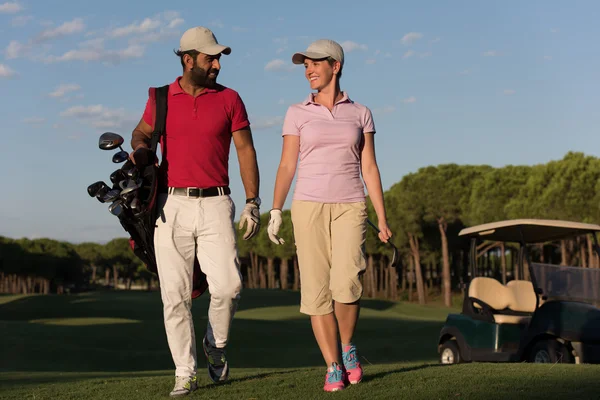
x=112, y=195
x=102, y=192
x=120, y=157
x=395, y=256
x=135, y=205
x=95, y=187
x=110, y=141
x=116, y=208
x=118, y=176
x=131, y=186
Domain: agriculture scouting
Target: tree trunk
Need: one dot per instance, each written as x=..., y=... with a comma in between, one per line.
x=442, y=225
x=582, y=261
x=503, y=262
x=414, y=246
x=128, y=283
x=296, y=274
x=270, y=273
x=409, y=277
x=262, y=275
x=106, y=276
x=94, y=270
x=590, y=252
x=115, y=276
x=283, y=274
x=563, y=253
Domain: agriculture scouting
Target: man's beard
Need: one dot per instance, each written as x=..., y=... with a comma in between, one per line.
x=200, y=77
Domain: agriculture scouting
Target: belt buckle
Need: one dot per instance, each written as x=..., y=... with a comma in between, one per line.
x=198, y=190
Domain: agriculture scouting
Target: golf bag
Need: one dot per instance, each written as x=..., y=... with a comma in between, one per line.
x=141, y=225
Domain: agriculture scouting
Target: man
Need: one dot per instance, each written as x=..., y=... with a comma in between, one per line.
x=195, y=211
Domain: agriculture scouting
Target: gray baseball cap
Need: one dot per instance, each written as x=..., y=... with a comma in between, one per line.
x=203, y=40
x=320, y=49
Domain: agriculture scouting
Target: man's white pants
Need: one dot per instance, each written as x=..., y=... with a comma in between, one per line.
x=188, y=226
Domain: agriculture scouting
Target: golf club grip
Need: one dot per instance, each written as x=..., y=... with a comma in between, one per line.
x=377, y=229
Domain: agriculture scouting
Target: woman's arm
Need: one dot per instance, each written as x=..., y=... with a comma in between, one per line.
x=286, y=170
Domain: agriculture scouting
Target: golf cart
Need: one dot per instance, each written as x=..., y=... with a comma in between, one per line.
x=554, y=318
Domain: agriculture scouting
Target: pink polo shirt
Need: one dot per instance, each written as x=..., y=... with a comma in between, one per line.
x=330, y=149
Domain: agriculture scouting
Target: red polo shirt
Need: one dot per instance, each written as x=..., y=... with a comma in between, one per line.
x=197, y=137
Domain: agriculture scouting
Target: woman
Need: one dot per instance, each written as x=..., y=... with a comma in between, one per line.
x=333, y=137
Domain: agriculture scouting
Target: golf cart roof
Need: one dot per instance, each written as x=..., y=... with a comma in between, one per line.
x=532, y=230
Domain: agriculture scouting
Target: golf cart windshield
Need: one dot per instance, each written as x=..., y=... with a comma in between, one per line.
x=567, y=283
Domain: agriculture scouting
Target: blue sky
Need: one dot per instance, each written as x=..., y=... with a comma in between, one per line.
x=469, y=82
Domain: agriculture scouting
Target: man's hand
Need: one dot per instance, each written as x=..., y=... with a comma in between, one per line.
x=275, y=222
x=139, y=146
x=251, y=216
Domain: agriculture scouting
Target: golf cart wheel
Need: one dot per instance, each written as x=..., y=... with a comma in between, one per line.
x=550, y=351
x=449, y=353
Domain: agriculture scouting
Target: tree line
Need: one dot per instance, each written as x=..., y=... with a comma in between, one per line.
x=426, y=210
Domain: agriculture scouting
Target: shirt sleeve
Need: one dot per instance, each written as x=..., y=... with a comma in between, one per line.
x=368, y=123
x=239, y=115
x=148, y=115
x=290, y=124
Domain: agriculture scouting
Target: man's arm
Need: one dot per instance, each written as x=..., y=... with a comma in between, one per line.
x=141, y=135
x=247, y=159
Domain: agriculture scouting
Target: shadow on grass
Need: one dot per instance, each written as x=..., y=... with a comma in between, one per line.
x=94, y=344
x=374, y=377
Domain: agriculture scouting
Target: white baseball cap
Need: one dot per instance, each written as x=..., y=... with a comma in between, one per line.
x=320, y=49
x=203, y=40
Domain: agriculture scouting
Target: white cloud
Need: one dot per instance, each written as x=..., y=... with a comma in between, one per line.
x=175, y=23
x=102, y=117
x=63, y=89
x=371, y=61
x=15, y=49
x=276, y=65
x=350, y=46
x=267, y=122
x=10, y=8
x=491, y=53
x=100, y=54
x=21, y=20
x=509, y=92
x=147, y=25
x=436, y=40
x=34, y=120
x=408, y=54
x=411, y=37
x=411, y=99
x=387, y=55
x=6, y=72
x=67, y=28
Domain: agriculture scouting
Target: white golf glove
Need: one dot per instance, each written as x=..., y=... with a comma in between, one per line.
x=251, y=216
x=275, y=222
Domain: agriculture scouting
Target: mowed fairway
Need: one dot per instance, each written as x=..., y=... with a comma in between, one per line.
x=112, y=345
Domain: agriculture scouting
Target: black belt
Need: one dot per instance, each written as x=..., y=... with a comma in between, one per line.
x=198, y=192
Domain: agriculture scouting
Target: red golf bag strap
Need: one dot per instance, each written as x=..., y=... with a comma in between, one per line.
x=160, y=115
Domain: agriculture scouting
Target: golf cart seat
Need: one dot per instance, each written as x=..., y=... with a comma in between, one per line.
x=502, y=304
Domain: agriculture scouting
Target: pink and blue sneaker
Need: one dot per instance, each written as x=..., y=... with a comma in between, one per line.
x=334, y=380
x=354, y=371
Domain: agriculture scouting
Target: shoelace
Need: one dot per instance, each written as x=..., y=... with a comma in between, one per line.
x=350, y=358
x=335, y=375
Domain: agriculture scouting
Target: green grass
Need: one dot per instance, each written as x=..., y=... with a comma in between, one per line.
x=112, y=345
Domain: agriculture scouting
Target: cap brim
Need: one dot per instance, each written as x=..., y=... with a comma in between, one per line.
x=213, y=50
x=298, y=58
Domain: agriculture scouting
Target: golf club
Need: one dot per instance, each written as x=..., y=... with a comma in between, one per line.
x=110, y=141
x=120, y=157
x=112, y=195
x=102, y=192
x=116, y=208
x=95, y=187
x=118, y=176
x=395, y=252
